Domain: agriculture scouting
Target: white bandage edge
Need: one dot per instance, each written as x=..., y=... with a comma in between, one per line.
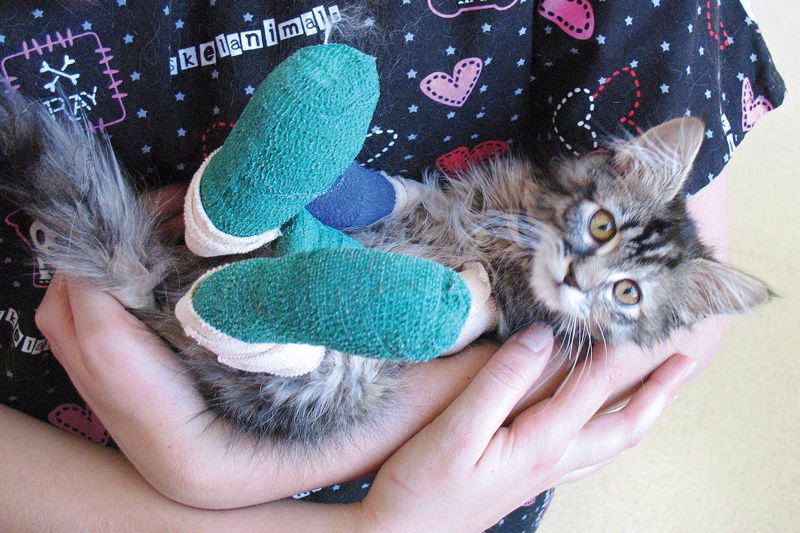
x=203, y=238
x=287, y=360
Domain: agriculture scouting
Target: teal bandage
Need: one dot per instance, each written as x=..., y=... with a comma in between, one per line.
x=302, y=128
x=358, y=301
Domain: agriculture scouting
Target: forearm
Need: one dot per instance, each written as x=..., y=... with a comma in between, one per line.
x=54, y=481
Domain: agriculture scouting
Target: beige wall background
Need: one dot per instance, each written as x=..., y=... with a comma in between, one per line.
x=726, y=456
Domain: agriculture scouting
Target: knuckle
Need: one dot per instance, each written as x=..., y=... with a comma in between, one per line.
x=634, y=433
x=42, y=320
x=546, y=451
x=507, y=374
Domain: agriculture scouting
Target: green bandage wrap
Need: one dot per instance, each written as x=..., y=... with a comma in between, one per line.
x=355, y=300
x=304, y=233
x=303, y=126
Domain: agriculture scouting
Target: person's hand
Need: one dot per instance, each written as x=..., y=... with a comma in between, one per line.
x=464, y=471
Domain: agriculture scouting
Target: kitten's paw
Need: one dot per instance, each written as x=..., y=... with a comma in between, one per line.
x=406, y=191
x=482, y=311
x=286, y=360
x=203, y=238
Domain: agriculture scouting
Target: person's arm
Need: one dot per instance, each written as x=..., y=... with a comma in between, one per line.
x=53, y=481
x=462, y=472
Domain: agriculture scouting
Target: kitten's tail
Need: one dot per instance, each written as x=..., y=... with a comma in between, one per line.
x=69, y=181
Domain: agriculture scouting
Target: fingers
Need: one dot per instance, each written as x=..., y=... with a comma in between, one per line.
x=604, y=437
x=54, y=320
x=575, y=475
x=474, y=417
x=548, y=427
x=117, y=348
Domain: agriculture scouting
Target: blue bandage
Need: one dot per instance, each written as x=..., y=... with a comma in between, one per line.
x=358, y=198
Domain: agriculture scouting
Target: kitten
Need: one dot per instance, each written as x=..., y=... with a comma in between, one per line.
x=600, y=247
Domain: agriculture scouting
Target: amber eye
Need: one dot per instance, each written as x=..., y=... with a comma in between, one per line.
x=627, y=292
x=602, y=227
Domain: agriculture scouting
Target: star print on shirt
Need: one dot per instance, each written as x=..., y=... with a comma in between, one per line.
x=179, y=96
x=37, y=13
x=665, y=46
x=411, y=73
x=629, y=20
x=142, y=113
x=181, y=132
x=249, y=89
x=412, y=108
x=664, y=88
x=450, y=50
x=87, y=26
x=486, y=27
x=128, y=38
x=601, y=39
x=248, y=17
x=178, y=24
x=135, y=75
x=408, y=37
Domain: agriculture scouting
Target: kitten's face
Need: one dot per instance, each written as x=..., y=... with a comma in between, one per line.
x=620, y=257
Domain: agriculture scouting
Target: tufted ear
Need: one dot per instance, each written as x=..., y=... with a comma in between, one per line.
x=660, y=159
x=713, y=288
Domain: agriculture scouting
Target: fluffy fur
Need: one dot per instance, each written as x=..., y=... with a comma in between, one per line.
x=527, y=225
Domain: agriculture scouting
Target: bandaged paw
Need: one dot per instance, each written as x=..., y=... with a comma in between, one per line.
x=302, y=128
x=354, y=300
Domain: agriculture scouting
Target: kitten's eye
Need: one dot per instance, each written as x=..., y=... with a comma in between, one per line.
x=602, y=227
x=627, y=292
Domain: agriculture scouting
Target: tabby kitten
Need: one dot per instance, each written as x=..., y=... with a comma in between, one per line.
x=600, y=247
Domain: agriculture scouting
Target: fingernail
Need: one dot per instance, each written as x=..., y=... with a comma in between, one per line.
x=535, y=337
x=689, y=369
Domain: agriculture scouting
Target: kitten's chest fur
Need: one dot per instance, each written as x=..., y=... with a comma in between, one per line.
x=482, y=216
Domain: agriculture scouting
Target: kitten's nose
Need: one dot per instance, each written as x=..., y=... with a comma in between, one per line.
x=570, y=278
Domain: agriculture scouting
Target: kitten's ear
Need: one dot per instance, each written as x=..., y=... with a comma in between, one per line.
x=661, y=158
x=713, y=288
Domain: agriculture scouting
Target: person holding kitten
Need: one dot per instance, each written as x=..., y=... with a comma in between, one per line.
x=151, y=413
